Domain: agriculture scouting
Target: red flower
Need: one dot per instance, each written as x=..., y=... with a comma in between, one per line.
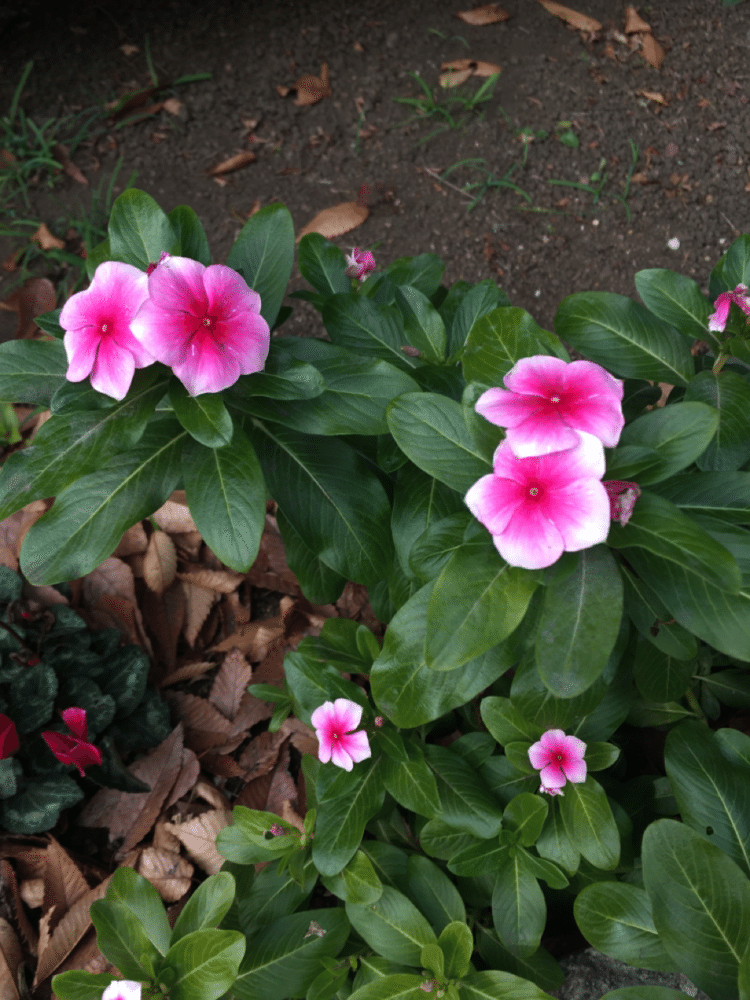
x=8, y=737
x=73, y=749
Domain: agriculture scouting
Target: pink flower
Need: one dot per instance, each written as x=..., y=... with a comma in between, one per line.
x=98, y=340
x=204, y=322
x=622, y=497
x=122, y=989
x=537, y=508
x=550, y=401
x=8, y=737
x=73, y=749
x=718, y=319
x=334, y=722
x=560, y=759
x=361, y=263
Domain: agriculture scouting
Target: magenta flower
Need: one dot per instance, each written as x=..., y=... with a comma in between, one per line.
x=548, y=401
x=622, y=497
x=122, y=989
x=333, y=722
x=361, y=263
x=204, y=322
x=73, y=749
x=98, y=340
x=560, y=759
x=537, y=508
x=718, y=319
x=8, y=737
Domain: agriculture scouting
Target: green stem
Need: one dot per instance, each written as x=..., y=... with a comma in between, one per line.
x=720, y=362
x=693, y=703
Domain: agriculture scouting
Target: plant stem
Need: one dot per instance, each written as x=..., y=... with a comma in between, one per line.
x=693, y=703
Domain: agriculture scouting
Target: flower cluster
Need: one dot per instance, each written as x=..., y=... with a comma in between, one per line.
x=559, y=758
x=718, y=319
x=203, y=322
x=73, y=749
x=545, y=495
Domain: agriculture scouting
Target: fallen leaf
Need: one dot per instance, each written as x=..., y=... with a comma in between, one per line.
x=199, y=604
x=652, y=95
x=46, y=240
x=336, y=220
x=70, y=930
x=32, y=892
x=11, y=959
x=186, y=672
x=224, y=581
x=165, y=616
x=651, y=51
x=174, y=516
x=489, y=13
x=133, y=541
x=170, y=874
x=173, y=106
x=358, y=47
x=230, y=684
x=198, y=835
x=233, y=163
x=211, y=794
x=457, y=72
x=64, y=884
x=311, y=89
x=205, y=727
x=581, y=22
x=252, y=639
x=159, y=562
x=704, y=103
x=35, y=297
x=61, y=153
x=634, y=22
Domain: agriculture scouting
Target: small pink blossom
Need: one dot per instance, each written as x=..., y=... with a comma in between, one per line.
x=333, y=722
x=551, y=791
x=537, y=508
x=361, y=263
x=73, y=749
x=718, y=319
x=277, y=830
x=548, y=401
x=8, y=737
x=98, y=339
x=122, y=989
x=203, y=322
x=559, y=758
x=622, y=497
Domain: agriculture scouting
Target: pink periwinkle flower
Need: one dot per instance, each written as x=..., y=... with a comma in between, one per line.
x=8, y=737
x=537, y=508
x=122, y=989
x=98, y=339
x=203, y=322
x=548, y=401
x=622, y=497
x=73, y=749
x=718, y=319
x=361, y=263
x=333, y=722
x=559, y=758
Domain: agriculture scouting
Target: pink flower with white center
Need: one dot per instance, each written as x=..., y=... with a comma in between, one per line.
x=361, y=263
x=537, y=508
x=73, y=749
x=560, y=759
x=622, y=497
x=549, y=401
x=333, y=722
x=98, y=339
x=122, y=989
x=718, y=319
x=203, y=322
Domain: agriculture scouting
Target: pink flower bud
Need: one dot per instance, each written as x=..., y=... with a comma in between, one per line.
x=379, y=721
x=622, y=497
x=361, y=263
x=277, y=830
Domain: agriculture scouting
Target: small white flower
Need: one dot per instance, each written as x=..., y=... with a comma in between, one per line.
x=674, y=243
x=122, y=989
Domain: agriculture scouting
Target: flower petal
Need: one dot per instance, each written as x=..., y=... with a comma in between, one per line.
x=348, y=714
x=228, y=293
x=541, y=375
x=81, y=347
x=542, y=433
x=530, y=540
x=552, y=776
x=718, y=319
x=539, y=755
x=507, y=409
x=553, y=740
x=357, y=745
x=582, y=514
x=493, y=502
x=176, y=285
x=164, y=334
x=75, y=720
x=206, y=367
x=340, y=757
x=113, y=369
x=575, y=770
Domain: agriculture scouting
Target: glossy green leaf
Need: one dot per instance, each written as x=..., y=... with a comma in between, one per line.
x=350, y=801
x=423, y=272
x=555, y=845
x=731, y=687
x=729, y=394
x=501, y=338
x=600, y=756
x=540, y=968
x=322, y=264
x=412, y=783
x=130, y=890
x=542, y=868
x=31, y=371
x=205, y=963
x=733, y=269
x=139, y=231
x=288, y=373
x=721, y=494
x=433, y=893
x=37, y=807
x=533, y=699
x=393, y=927
x=397, y=986
x=204, y=417
x=190, y=234
x=701, y=905
x=356, y=883
x=525, y=816
x=271, y=896
x=475, y=303
x=122, y=939
x=206, y=907
x=506, y=723
x=320, y=584
x=589, y=823
x=679, y=433
x=457, y=945
x=654, y=621
x=519, y=912
x=355, y=322
x=419, y=505
x=423, y=325
x=264, y=255
x=677, y=300
x=624, y=337
x=478, y=858
x=80, y=985
x=486, y=436
x=493, y=983
x=466, y=803
x=660, y=677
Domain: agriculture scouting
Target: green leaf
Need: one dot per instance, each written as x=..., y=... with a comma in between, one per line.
x=430, y=429
x=31, y=371
x=133, y=892
x=616, y=919
x=97, y=256
x=204, y=417
x=474, y=305
x=206, y=907
x=357, y=323
x=406, y=689
x=264, y=255
x=477, y=602
x=320, y=584
x=342, y=643
x=80, y=985
x=579, y=624
x=506, y=723
x=322, y=264
x=423, y=272
x=350, y=801
x=519, y=912
x=589, y=823
x=32, y=697
x=423, y=325
x=744, y=976
x=190, y=234
x=466, y=803
x=493, y=983
x=729, y=394
x=540, y=968
x=37, y=808
x=356, y=883
x=531, y=697
x=624, y=338
x=288, y=373
x=457, y=945
x=399, y=986
x=226, y=494
x=722, y=494
x=652, y=619
x=677, y=300
x=731, y=687
x=543, y=869
x=393, y=927
x=139, y=232
x=89, y=518
x=478, y=858
x=600, y=756
x=525, y=815
x=122, y=939
x=273, y=895
x=434, y=894
x=733, y=269
x=713, y=795
x=411, y=783
x=333, y=501
x=500, y=339
x=660, y=677
x=701, y=905
x=433, y=960
x=679, y=433
x=554, y=843
x=419, y=505
x=486, y=436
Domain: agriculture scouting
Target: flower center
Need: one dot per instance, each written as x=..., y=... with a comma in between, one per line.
x=335, y=735
x=555, y=399
x=534, y=491
x=207, y=321
x=104, y=327
x=558, y=758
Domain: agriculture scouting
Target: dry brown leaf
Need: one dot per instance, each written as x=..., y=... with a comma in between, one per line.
x=311, y=89
x=11, y=958
x=174, y=516
x=230, y=684
x=64, y=884
x=165, y=616
x=109, y=595
x=199, y=604
x=224, y=581
x=235, y=162
x=186, y=672
x=68, y=933
x=205, y=727
x=252, y=639
x=301, y=736
x=336, y=220
x=270, y=569
x=282, y=784
x=581, y=22
x=652, y=95
x=489, y=13
x=167, y=872
x=651, y=51
x=457, y=72
x=186, y=779
x=133, y=541
x=173, y=106
x=35, y=297
x=211, y=794
x=10, y=883
x=61, y=153
x=260, y=755
x=163, y=839
x=159, y=562
x=221, y=765
x=46, y=240
x=32, y=892
x=198, y=836
x=634, y=22
x=30, y=515
x=290, y=815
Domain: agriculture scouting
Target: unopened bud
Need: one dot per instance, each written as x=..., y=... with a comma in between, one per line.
x=379, y=721
x=622, y=497
x=277, y=830
x=428, y=985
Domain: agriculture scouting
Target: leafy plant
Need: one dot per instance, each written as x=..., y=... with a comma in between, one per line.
x=426, y=106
